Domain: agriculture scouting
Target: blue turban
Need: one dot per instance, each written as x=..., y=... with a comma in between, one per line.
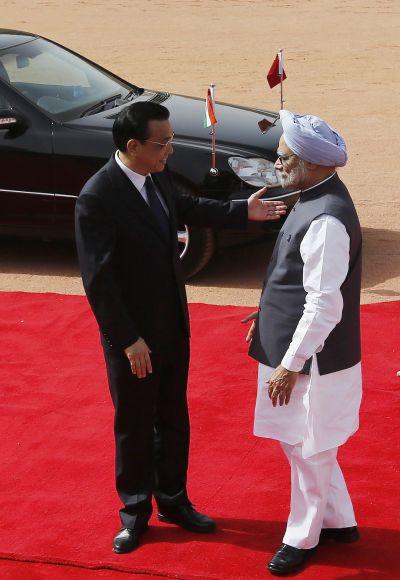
x=313, y=140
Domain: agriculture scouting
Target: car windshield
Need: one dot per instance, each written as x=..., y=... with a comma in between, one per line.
x=59, y=82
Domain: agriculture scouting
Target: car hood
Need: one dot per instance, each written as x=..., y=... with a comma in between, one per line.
x=237, y=127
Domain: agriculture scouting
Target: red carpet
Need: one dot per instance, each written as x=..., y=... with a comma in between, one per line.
x=58, y=506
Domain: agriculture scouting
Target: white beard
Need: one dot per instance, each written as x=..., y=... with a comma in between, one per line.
x=297, y=178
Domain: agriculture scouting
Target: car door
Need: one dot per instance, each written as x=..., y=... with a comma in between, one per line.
x=78, y=154
x=26, y=172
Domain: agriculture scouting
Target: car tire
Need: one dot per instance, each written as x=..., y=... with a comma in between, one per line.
x=196, y=244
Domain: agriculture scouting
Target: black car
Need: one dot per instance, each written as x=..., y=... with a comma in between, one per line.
x=57, y=109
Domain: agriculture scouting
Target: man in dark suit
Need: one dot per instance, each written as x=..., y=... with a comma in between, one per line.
x=126, y=223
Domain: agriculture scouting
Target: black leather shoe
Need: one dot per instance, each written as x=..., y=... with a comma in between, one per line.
x=288, y=560
x=342, y=535
x=127, y=540
x=186, y=517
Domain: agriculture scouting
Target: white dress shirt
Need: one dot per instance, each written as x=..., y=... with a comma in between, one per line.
x=323, y=410
x=138, y=180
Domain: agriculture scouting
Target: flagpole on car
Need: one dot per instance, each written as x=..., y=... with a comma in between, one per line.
x=280, y=72
x=275, y=76
x=210, y=120
x=214, y=170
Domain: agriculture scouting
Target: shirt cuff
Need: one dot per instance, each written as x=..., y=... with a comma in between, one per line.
x=293, y=363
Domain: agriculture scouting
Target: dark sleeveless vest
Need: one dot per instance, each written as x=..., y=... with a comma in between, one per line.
x=283, y=295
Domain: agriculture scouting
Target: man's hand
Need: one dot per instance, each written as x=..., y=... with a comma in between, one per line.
x=280, y=385
x=139, y=357
x=253, y=316
x=263, y=210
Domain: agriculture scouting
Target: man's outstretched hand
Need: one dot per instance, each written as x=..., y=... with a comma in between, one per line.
x=264, y=210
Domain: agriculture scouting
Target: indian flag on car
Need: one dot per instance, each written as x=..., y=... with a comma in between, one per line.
x=209, y=113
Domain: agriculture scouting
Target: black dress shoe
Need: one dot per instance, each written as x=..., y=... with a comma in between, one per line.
x=127, y=540
x=342, y=535
x=186, y=517
x=288, y=560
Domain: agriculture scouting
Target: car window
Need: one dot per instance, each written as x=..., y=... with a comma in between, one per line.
x=56, y=80
x=44, y=69
x=4, y=103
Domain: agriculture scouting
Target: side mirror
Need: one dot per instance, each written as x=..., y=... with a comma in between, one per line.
x=12, y=121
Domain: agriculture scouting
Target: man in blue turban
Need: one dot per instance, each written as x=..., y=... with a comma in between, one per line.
x=306, y=338
x=313, y=140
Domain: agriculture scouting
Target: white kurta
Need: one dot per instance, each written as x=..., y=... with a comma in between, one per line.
x=323, y=410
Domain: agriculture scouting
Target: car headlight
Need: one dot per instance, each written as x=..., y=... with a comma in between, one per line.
x=254, y=171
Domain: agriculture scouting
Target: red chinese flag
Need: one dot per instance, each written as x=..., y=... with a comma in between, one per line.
x=273, y=76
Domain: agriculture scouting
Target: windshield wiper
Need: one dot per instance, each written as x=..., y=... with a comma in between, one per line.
x=135, y=92
x=101, y=105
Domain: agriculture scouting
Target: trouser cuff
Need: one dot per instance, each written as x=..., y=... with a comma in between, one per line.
x=164, y=499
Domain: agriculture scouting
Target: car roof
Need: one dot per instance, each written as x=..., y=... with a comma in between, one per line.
x=10, y=38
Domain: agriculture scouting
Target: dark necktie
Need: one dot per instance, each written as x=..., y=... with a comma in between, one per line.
x=156, y=206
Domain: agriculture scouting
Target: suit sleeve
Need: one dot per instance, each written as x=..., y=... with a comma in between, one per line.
x=96, y=241
x=201, y=211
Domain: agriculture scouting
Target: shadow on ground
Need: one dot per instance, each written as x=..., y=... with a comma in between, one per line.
x=235, y=265
x=40, y=258
x=244, y=265
x=381, y=263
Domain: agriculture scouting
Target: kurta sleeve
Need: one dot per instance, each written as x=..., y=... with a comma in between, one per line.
x=325, y=252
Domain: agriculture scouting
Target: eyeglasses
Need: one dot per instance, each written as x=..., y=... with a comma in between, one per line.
x=163, y=145
x=283, y=158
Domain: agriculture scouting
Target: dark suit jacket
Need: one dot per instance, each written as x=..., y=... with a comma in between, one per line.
x=131, y=273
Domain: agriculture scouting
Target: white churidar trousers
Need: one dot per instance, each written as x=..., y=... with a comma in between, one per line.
x=319, y=496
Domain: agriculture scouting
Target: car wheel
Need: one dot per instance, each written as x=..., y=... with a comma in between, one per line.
x=196, y=245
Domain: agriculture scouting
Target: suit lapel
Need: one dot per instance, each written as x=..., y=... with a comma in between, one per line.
x=132, y=198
